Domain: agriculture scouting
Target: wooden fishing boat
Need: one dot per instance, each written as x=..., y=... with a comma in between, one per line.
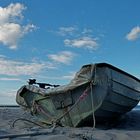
x=99, y=91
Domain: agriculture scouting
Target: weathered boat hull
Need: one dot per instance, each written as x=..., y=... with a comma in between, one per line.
x=109, y=94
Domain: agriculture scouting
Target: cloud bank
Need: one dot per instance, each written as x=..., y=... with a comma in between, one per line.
x=83, y=42
x=64, y=57
x=78, y=38
x=17, y=68
x=10, y=28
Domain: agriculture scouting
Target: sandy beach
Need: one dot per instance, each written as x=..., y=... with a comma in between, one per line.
x=128, y=128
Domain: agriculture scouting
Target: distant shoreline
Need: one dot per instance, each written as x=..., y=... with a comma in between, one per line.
x=9, y=106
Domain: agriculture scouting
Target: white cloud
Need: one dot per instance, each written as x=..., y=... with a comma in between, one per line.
x=69, y=76
x=11, y=12
x=16, y=68
x=9, y=79
x=63, y=31
x=133, y=34
x=84, y=42
x=28, y=28
x=87, y=31
x=9, y=34
x=64, y=57
x=73, y=31
x=78, y=38
x=8, y=93
x=10, y=30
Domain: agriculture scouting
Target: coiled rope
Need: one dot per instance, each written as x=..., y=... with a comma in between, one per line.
x=22, y=119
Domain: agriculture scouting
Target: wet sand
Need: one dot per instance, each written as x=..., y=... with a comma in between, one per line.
x=128, y=128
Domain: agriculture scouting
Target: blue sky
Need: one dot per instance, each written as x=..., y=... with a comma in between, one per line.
x=50, y=40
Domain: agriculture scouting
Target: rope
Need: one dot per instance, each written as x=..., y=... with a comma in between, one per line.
x=92, y=104
x=84, y=94
x=22, y=119
x=40, y=109
x=93, y=82
x=57, y=121
x=79, y=99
